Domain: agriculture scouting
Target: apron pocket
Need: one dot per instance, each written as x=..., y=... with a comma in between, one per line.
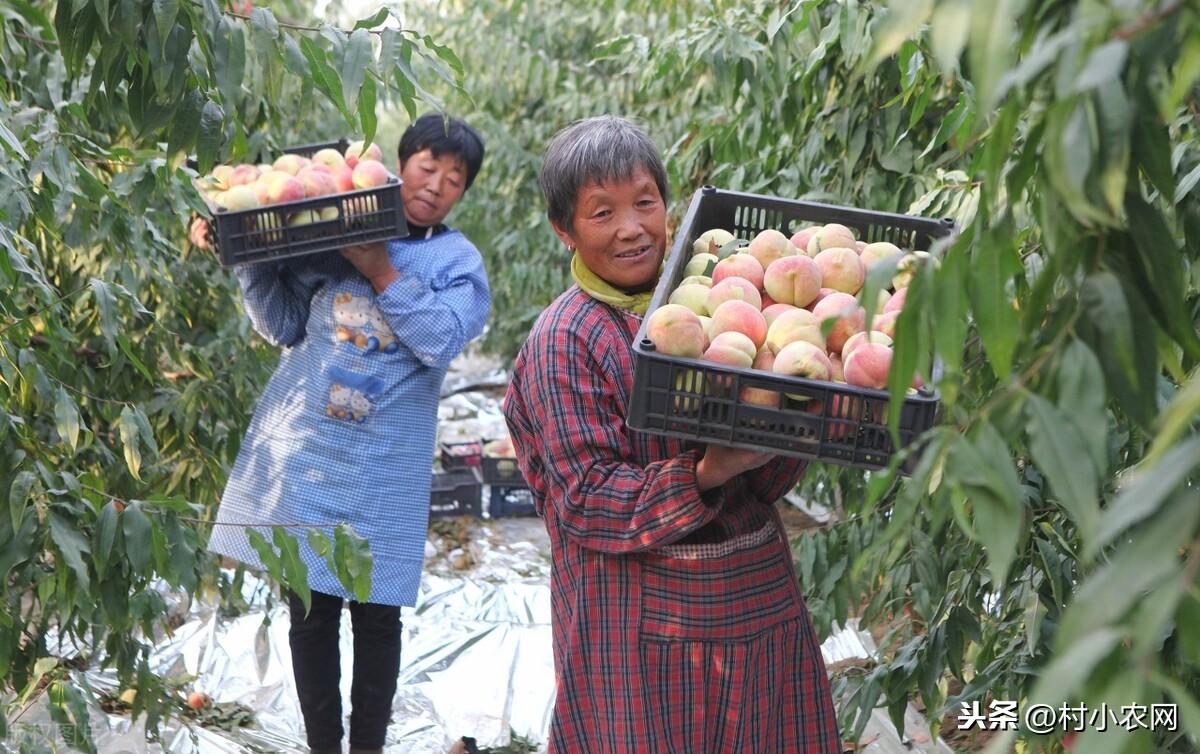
x=727, y=591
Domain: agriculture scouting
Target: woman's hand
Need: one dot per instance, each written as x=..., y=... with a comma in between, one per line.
x=373, y=263
x=198, y=233
x=720, y=464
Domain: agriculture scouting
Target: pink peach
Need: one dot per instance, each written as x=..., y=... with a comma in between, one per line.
x=793, y=280
x=849, y=316
x=840, y=269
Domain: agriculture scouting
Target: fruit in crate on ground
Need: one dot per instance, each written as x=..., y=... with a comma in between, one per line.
x=675, y=330
x=794, y=280
x=354, y=153
x=711, y=241
x=501, y=448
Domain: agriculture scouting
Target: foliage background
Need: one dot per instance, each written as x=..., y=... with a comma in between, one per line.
x=1046, y=547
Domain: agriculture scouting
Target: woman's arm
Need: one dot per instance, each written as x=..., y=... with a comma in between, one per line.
x=276, y=300
x=436, y=320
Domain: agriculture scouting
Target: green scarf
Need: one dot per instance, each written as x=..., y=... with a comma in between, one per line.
x=599, y=289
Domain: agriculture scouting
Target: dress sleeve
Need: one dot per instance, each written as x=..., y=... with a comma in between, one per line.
x=276, y=300
x=436, y=320
x=774, y=479
x=603, y=498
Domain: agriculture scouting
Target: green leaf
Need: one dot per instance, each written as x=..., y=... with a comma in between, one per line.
x=66, y=419
x=1152, y=146
x=129, y=439
x=212, y=135
x=1189, y=708
x=982, y=468
x=18, y=497
x=139, y=546
x=1144, y=493
x=1160, y=267
x=1059, y=680
x=294, y=567
x=231, y=62
x=903, y=20
x=105, y=536
x=951, y=25
x=102, y=12
x=165, y=12
x=12, y=142
x=366, y=110
x=357, y=61
x=266, y=554
x=71, y=545
x=950, y=307
x=1187, y=72
x=107, y=303
x=1082, y=398
x=994, y=261
x=324, y=77
x=991, y=48
x=1103, y=66
x=1108, y=311
x=354, y=560
x=371, y=22
x=1061, y=454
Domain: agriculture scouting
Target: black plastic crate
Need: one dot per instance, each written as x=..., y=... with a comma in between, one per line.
x=461, y=455
x=456, y=493
x=699, y=400
x=498, y=470
x=508, y=501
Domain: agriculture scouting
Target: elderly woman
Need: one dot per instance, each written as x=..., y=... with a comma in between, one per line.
x=678, y=623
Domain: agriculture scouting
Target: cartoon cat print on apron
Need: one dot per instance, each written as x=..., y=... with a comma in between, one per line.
x=359, y=322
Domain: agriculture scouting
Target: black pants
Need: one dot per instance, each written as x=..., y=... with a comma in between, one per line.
x=317, y=668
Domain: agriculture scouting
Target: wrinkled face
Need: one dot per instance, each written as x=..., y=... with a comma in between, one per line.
x=431, y=186
x=620, y=230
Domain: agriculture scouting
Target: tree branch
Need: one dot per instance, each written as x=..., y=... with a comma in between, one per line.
x=1148, y=20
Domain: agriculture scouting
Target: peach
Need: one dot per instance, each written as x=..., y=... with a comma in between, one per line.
x=770, y=245
x=763, y=361
x=886, y=323
x=830, y=236
x=742, y=317
x=735, y=339
x=328, y=213
x=222, y=175
x=240, y=198
x=699, y=265
x=316, y=183
x=861, y=338
x=802, y=359
x=692, y=296
x=261, y=191
x=802, y=236
x=369, y=174
x=840, y=269
x=859, y=246
x=676, y=331
x=711, y=241
x=728, y=355
x=896, y=302
x=706, y=325
x=732, y=289
x=773, y=311
x=820, y=295
x=285, y=189
x=837, y=373
x=792, y=326
x=343, y=176
x=905, y=268
x=793, y=280
x=304, y=217
x=291, y=163
x=868, y=365
x=881, y=300
x=766, y=299
x=354, y=154
x=874, y=253
x=739, y=266
x=849, y=316
x=328, y=156
x=707, y=282
x=244, y=175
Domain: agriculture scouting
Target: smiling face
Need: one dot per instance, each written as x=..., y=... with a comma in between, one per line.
x=619, y=229
x=431, y=186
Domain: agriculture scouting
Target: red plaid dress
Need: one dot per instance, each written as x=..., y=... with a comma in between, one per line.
x=678, y=620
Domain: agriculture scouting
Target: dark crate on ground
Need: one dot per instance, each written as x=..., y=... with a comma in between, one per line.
x=353, y=217
x=700, y=400
x=510, y=501
x=456, y=493
x=461, y=455
x=503, y=471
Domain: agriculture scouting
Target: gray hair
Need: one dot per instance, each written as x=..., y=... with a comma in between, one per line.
x=595, y=150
